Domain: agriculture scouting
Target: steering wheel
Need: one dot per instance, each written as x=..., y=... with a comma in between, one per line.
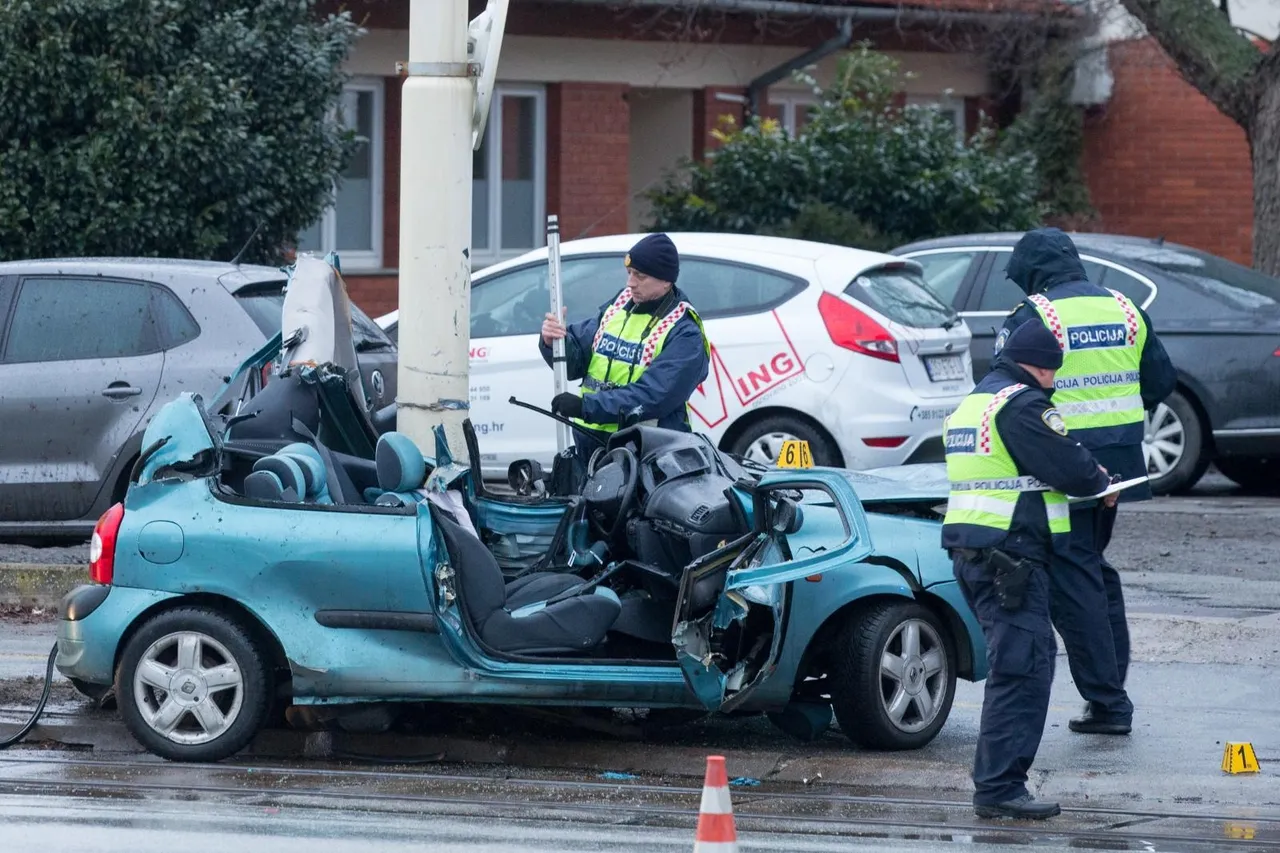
x=605, y=488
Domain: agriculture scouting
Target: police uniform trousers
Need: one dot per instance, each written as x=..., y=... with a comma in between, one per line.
x=1020, y=659
x=1087, y=604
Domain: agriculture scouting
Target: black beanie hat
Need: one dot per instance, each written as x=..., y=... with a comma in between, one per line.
x=655, y=255
x=1032, y=343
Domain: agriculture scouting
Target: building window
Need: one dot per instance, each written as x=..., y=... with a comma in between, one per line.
x=353, y=225
x=952, y=110
x=508, y=189
x=791, y=109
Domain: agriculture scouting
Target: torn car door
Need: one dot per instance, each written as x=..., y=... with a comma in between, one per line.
x=732, y=607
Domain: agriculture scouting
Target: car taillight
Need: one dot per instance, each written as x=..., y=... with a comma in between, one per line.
x=102, y=548
x=853, y=330
x=887, y=441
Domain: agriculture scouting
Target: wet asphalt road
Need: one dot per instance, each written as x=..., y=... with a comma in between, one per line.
x=1203, y=590
x=62, y=824
x=281, y=808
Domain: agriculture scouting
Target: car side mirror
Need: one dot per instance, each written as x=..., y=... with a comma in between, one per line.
x=786, y=517
x=525, y=477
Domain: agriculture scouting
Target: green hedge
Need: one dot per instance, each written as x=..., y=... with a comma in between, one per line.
x=863, y=172
x=167, y=127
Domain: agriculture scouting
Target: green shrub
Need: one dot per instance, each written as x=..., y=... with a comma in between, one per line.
x=863, y=172
x=167, y=127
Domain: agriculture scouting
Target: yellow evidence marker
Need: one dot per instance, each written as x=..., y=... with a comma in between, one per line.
x=1239, y=758
x=795, y=454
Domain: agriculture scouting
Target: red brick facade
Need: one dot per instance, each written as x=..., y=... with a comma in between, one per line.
x=588, y=151
x=1161, y=160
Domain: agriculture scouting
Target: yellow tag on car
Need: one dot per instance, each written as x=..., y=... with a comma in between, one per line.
x=795, y=454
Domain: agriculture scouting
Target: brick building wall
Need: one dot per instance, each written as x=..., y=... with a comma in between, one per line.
x=1161, y=160
x=588, y=158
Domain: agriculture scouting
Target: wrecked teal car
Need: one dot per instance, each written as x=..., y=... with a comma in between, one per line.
x=289, y=554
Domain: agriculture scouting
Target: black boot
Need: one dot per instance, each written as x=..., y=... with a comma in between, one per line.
x=1096, y=722
x=1025, y=807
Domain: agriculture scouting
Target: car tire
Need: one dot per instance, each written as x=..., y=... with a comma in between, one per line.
x=1255, y=473
x=181, y=652
x=763, y=439
x=876, y=710
x=1173, y=446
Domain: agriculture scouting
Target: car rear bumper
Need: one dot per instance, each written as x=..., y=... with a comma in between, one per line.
x=87, y=643
x=858, y=412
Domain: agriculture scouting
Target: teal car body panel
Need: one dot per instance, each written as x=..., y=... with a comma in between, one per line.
x=284, y=565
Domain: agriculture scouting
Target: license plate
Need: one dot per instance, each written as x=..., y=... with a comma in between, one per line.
x=944, y=368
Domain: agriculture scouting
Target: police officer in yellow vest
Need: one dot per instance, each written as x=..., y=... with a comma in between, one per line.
x=1011, y=465
x=1113, y=368
x=641, y=357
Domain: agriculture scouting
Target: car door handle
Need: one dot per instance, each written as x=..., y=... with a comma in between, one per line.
x=120, y=390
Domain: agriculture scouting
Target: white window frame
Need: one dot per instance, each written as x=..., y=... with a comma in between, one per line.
x=788, y=103
x=371, y=259
x=948, y=104
x=494, y=252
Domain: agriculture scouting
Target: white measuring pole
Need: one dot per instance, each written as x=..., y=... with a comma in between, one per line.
x=564, y=434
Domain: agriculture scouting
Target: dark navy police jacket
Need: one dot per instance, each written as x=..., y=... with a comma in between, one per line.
x=1038, y=451
x=663, y=389
x=1048, y=263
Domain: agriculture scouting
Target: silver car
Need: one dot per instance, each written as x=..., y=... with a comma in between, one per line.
x=91, y=348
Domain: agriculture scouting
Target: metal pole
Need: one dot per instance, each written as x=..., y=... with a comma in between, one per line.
x=564, y=435
x=435, y=227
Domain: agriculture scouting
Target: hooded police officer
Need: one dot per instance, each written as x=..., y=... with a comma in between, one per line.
x=1114, y=368
x=1011, y=465
x=641, y=357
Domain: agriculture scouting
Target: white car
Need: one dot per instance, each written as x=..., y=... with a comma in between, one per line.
x=846, y=349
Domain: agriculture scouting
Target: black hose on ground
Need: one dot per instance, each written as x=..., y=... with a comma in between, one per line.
x=44, y=698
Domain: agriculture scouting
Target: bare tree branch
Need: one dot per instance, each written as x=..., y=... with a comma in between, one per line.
x=1208, y=51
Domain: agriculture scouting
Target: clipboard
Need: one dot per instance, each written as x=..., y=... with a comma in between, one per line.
x=1110, y=490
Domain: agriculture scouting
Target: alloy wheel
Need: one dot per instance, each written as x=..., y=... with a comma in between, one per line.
x=188, y=687
x=913, y=675
x=1165, y=441
x=766, y=448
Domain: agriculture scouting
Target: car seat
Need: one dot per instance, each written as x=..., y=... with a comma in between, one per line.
x=276, y=478
x=401, y=469
x=295, y=473
x=313, y=471
x=541, y=613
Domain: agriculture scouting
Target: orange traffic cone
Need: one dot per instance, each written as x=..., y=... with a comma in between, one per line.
x=715, y=818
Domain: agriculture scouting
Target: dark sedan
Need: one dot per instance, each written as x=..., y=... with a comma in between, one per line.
x=1219, y=321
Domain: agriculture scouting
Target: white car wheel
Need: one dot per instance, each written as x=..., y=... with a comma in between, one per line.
x=1173, y=445
x=913, y=675
x=766, y=448
x=188, y=687
x=193, y=685
x=893, y=675
x=1164, y=442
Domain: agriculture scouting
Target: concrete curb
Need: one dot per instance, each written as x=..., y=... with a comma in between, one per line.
x=39, y=584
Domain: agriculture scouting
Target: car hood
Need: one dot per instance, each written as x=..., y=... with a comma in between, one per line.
x=922, y=482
